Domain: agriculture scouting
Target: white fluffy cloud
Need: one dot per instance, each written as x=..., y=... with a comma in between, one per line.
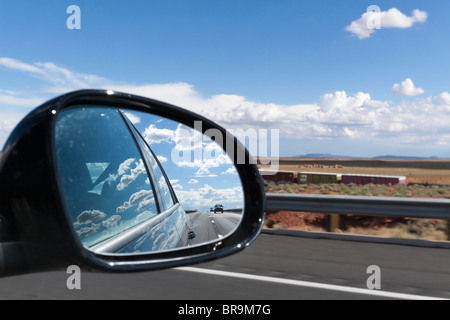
x=407, y=88
x=142, y=199
x=154, y=135
x=335, y=115
x=89, y=216
x=111, y=222
x=231, y=170
x=62, y=79
x=162, y=159
x=204, y=172
x=369, y=22
x=129, y=174
x=206, y=196
x=443, y=99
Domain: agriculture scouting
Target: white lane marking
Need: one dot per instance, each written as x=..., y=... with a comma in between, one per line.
x=378, y=293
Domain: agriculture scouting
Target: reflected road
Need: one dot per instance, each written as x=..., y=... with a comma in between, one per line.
x=210, y=226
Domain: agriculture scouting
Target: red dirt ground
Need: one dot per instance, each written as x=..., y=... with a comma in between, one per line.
x=308, y=221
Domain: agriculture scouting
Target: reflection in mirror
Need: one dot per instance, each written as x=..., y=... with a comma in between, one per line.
x=135, y=182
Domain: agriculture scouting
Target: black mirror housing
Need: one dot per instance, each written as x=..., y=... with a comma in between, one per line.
x=35, y=232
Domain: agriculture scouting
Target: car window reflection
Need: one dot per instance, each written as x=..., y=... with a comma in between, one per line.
x=103, y=177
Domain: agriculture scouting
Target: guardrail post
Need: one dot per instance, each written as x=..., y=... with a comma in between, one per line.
x=333, y=222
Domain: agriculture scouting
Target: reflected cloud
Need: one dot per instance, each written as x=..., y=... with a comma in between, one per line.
x=89, y=216
x=127, y=179
x=204, y=172
x=125, y=166
x=145, y=215
x=231, y=170
x=139, y=199
x=110, y=222
x=202, y=198
x=88, y=231
x=154, y=135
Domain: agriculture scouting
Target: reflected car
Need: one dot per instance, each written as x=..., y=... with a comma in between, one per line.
x=218, y=208
x=124, y=201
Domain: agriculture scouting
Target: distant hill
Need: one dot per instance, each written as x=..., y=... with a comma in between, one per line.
x=406, y=157
x=333, y=156
x=322, y=155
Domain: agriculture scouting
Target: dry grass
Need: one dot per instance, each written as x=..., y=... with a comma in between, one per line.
x=422, y=229
x=416, y=171
x=426, y=178
x=376, y=190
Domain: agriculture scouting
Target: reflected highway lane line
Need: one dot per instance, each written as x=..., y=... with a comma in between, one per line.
x=225, y=223
x=377, y=293
x=210, y=226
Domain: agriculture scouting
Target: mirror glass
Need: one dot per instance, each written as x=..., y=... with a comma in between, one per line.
x=134, y=182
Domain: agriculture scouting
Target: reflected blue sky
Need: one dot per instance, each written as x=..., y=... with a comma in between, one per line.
x=200, y=172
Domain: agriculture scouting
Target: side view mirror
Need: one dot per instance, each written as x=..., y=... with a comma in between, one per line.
x=118, y=183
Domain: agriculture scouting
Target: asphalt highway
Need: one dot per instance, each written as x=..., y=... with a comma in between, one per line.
x=210, y=226
x=274, y=267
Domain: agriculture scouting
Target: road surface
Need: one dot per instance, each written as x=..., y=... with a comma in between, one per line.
x=211, y=226
x=274, y=268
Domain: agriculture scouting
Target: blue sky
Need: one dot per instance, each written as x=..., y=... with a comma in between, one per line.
x=292, y=66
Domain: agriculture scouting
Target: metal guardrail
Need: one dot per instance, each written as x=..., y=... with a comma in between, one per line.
x=360, y=205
